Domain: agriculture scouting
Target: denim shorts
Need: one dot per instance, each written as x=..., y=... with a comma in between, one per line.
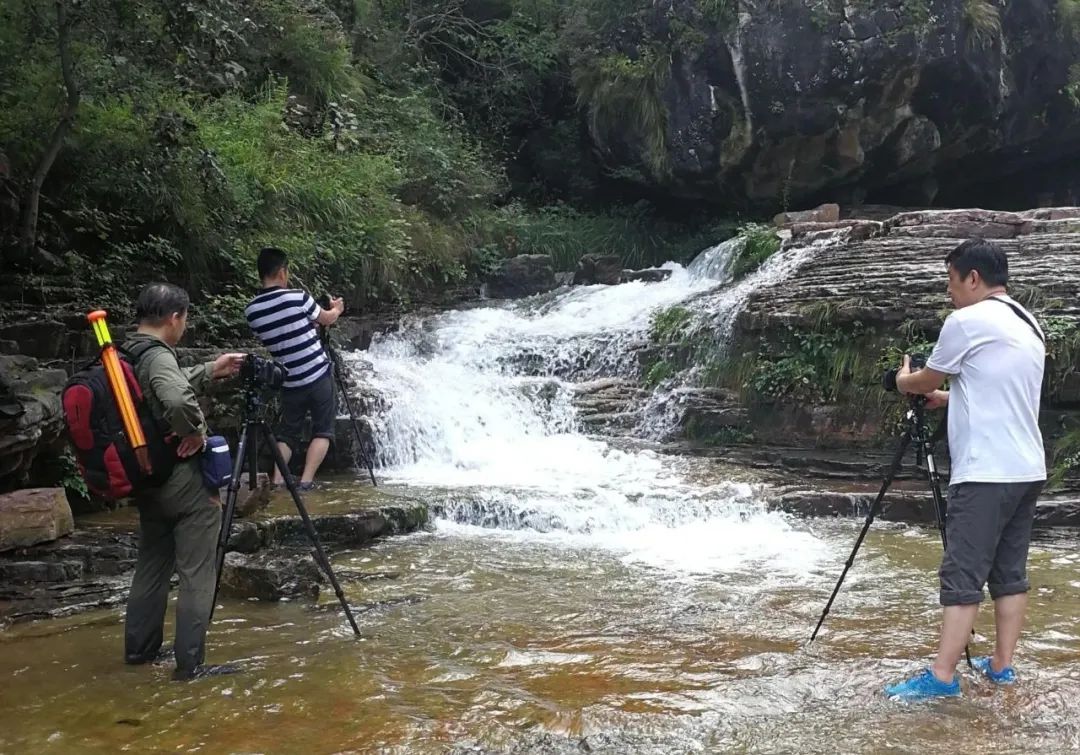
x=319, y=399
x=988, y=530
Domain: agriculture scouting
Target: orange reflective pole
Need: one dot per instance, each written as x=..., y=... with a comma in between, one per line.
x=110, y=360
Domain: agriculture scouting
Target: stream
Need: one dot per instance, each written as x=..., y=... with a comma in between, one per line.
x=575, y=592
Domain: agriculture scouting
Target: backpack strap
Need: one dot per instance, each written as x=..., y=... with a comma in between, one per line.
x=1023, y=316
x=140, y=349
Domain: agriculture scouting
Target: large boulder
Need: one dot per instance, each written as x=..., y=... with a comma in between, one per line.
x=32, y=516
x=270, y=576
x=30, y=414
x=524, y=275
x=788, y=102
x=605, y=269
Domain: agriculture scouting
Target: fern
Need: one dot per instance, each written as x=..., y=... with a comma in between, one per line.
x=618, y=91
x=983, y=21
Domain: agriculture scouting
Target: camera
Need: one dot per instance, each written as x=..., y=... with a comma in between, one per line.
x=262, y=373
x=888, y=380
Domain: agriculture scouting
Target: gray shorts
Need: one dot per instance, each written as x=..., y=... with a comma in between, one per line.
x=989, y=530
x=319, y=399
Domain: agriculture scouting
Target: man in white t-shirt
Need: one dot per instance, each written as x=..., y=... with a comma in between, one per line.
x=992, y=352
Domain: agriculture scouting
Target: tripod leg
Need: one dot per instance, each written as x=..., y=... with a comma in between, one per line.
x=940, y=512
x=897, y=462
x=364, y=457
x=230, y=511
x=319, y=554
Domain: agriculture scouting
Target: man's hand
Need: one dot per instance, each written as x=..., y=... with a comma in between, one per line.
x=337, y=304
x=227, y=365
x=920, y=382
x=937, y=399
x=191, y=445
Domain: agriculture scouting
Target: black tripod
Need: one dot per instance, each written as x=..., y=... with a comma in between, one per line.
x=338, y=367
x=254, y=424
x=916, y=432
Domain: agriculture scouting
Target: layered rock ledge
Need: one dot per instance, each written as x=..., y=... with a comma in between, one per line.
x=269, y=554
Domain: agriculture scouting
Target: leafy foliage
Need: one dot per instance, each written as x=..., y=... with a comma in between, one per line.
x=761, y=243
x=668, y=326
x=1066, y=458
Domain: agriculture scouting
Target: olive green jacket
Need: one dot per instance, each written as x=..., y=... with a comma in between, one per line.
x=169, y=388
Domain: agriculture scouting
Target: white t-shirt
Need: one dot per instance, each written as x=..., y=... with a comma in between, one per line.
x=996, y=361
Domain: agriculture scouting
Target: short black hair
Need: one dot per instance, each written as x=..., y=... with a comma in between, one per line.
x=159, y=301
x=985, y=257
x=271, y=259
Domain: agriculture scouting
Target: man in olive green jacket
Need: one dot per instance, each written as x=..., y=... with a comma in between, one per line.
x=179, y=522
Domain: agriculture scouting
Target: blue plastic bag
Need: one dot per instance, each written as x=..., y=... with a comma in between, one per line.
x=216, y=463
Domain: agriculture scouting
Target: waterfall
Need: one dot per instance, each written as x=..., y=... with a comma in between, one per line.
x=480, y=416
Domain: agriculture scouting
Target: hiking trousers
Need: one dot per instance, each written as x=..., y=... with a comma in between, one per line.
x=179, y=526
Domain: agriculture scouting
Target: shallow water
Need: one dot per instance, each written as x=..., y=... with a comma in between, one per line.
x=576, y=593
x=511, y=642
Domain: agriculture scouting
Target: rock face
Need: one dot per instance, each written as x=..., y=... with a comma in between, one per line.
x=897, y=275
x=524, y=275
x=876, y=285
x=903, y=99
x=30, y=415
x=32, y=516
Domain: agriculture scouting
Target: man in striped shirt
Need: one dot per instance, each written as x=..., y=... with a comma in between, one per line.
x=285, y=321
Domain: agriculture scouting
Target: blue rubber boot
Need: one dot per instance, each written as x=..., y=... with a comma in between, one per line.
x=923, y=686
x=1006, y=676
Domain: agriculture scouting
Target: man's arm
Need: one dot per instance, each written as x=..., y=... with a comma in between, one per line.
x=198, y=376
x=171, y=386
x=223, y=367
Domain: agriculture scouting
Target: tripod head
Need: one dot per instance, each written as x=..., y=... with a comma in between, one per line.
x=260, y=377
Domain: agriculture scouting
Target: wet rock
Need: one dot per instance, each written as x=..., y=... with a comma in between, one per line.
x=1058, y=513
x=710, y=415
x=270, y=577
x=564, y=279
x=647, y=275
x=89, y=569
x=246, y=537
x=248, y=501
x=350, y=451
x=31, y=420
x=524, y=275
x=20, y=572
x=42, y=339
x=32, y=516
x=826, y=213
x=608, y=404
x=343, y=530
x=594, y=269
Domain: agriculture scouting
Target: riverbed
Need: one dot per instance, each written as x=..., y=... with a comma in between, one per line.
x=504, y=642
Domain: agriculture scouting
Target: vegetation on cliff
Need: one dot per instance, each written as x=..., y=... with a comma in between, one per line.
x=379, y=141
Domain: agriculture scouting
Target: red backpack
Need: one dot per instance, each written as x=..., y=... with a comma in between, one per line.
x=105, y=456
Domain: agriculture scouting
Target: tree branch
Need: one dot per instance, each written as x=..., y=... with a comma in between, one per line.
x=28, y=234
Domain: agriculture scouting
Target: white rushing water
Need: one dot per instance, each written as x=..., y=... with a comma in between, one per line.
x=480, y=416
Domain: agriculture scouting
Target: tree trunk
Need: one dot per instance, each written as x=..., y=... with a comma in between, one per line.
x=28, y=234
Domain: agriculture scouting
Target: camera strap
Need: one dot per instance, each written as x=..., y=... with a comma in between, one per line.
x=1023, y=316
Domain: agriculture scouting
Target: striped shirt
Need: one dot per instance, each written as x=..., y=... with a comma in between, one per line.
x=284, y=320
